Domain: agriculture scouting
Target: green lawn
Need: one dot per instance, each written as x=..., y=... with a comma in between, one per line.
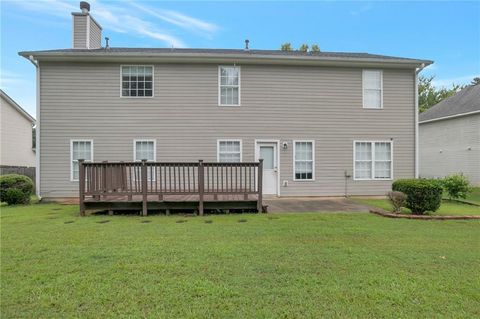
x=474, y=196
x=55, y=264
x=447, y=207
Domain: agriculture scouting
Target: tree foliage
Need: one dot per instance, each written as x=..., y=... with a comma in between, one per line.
x=303, y=48
x=315, y=48
x=475, y=81
x=287, y=46
x=429, y=95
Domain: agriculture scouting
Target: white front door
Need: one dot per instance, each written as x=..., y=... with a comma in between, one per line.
x=268, y=152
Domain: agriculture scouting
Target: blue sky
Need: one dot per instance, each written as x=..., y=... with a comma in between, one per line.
x=446, y=32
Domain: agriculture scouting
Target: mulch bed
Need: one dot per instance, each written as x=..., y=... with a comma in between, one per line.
x=383, y=213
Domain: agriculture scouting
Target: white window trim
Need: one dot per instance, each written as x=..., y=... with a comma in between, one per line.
x=229, y=140
x=372, y=178
x=313, y=160
x=144, y=140
x=71, y=154
x=239, y=85
x=138, y=97
x=363, y=90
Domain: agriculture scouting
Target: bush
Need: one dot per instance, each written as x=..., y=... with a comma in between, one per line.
x=15, y=189
x=14, y=196
x=422, y=194
x=398, y=200
x=457, y=186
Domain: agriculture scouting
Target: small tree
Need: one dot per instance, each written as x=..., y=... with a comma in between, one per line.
x=398, y=200
x=315, y=48
x=286, y=46
x=457, y=186
x=303, y=48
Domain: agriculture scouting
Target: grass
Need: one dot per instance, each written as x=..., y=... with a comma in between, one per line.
x=56, y=264
x=446, y=208
x=474, y=196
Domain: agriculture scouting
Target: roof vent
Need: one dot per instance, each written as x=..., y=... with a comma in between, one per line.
x=246, y=44
x=85, y=6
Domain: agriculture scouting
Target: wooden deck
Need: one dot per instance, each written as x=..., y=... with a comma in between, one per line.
x=145, y=185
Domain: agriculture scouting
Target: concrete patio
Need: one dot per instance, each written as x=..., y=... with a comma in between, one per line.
x=313, y=204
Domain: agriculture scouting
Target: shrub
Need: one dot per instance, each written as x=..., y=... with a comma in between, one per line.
x=457, y=186
x=398, y=200
x=422, y=194
x=14, y=196
x=15, y=189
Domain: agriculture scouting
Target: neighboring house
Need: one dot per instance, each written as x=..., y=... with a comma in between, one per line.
x=16, y=125
x=450, y=136
x=315, y=118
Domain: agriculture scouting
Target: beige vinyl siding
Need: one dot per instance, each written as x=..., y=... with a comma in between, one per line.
x=95, y=35
x=80, y=31
x=444, y=147
x=82, y=101
x=15, y=137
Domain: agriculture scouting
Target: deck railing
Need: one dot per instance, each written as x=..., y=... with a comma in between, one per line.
x=102, y=179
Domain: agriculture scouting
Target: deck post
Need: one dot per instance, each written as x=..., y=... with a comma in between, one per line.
x=81, y=186
x=200, y=187
x=260, y=185
x=144, y=187
x=104, y=179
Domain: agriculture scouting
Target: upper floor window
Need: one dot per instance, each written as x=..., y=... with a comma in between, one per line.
x=229, y=85
x=373, y=160
x=372, y=89
x=137, y=81
x=79, y=149
x=304, y=160
x=229, y=151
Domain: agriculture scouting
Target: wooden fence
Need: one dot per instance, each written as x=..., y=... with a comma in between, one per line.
x=101, y=180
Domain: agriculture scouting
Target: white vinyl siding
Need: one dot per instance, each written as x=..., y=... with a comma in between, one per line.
x=372, y=84
x=229, y=151
x=229, y=85
x=79, y=149
x=137, y=81
x=304, y=160
x=373, y=160
x=144, y=149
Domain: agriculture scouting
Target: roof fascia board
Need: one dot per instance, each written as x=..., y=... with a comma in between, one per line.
x=225, y=58
x=449, y=117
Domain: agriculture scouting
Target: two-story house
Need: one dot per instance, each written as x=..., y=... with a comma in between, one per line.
x=321, y=121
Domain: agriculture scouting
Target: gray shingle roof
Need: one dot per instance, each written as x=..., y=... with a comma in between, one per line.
x=205, y=52
x=465, y=101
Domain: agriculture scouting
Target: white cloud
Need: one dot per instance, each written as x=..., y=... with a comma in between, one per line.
x=455, y=80
x=178, y=19
x=364, y=8
x=9, y=79
x=117, y=17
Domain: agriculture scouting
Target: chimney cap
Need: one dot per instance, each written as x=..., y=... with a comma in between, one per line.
x=85, y=6
x=246, y=44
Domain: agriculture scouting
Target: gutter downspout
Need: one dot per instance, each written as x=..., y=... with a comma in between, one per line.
x=37, y=130
x=417, y=71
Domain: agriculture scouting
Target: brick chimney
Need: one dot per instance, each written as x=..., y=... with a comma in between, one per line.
x=87, y=33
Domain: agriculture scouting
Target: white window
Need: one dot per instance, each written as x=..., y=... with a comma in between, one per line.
x=137, y=80
x=79, y=149
x=144, y=149
x=229, y=151
x=229, y=85
x=304, y=160
x=372, y=89
x=373, y=160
